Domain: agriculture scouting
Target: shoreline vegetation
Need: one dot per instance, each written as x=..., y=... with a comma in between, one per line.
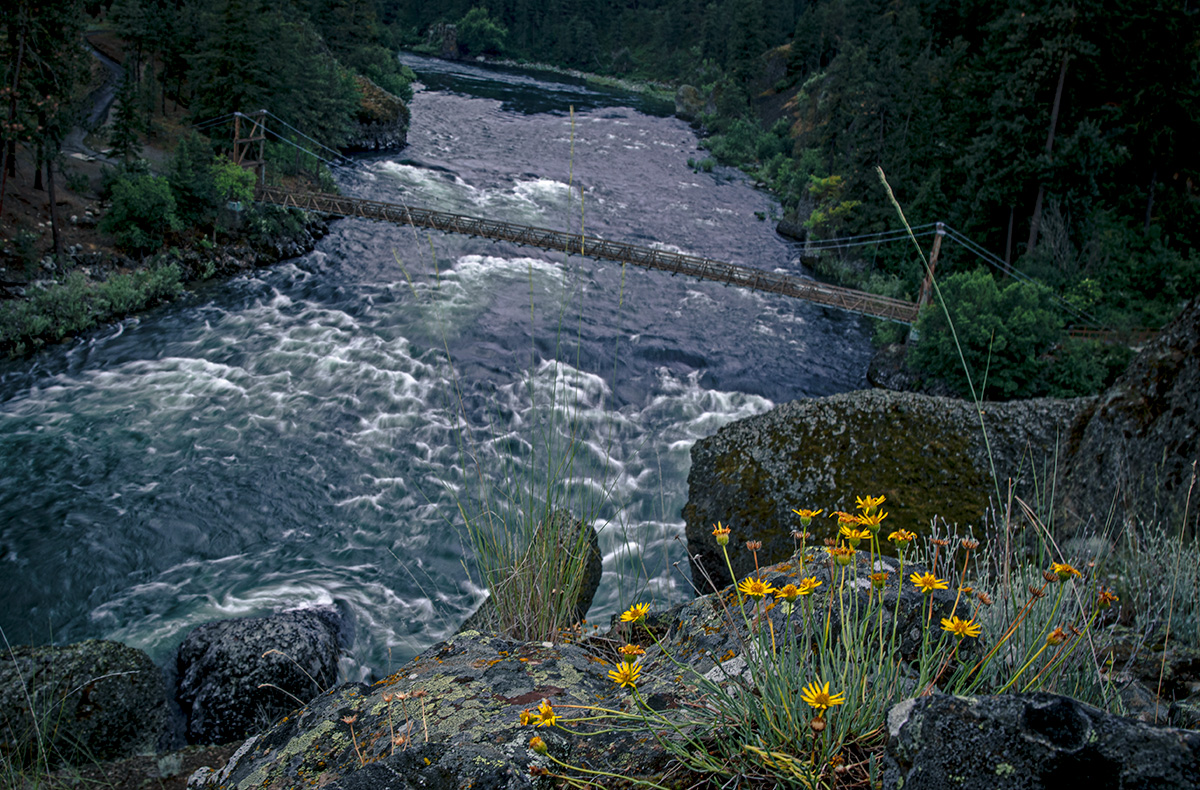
x=118, y=191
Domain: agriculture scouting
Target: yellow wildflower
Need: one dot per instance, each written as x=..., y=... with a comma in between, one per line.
x=878, y=579
x=928, y=583
x=853, y=536
x=1056, y=637
x=626, y=674
x=546, y=715
x=808, y=585
x=629, y=653
x=902, y=537
x=1106, y=599
x=755, y=588
x=788, y=592
x=871, y=522
x=843, y=555
x=960, y=627
x=806, y=516
x=817, y=696
x=636, y=613
x=869, y=503
x=1063, y=571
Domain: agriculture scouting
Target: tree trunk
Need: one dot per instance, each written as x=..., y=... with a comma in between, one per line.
x=39, y=157
x=1036, y=220
x=8, y=159
x=53, y=206
x=1150, y=200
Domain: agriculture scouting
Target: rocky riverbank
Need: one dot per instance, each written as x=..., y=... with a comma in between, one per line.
x=452, y=717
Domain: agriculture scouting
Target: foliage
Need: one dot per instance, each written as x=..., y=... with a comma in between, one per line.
x=1002, y=334
x=142, y=213
x=68, y=307
x=1085, y=367
x=479, y=34
x=190, y=176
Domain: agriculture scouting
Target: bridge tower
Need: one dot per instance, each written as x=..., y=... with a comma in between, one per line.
x=250, y=151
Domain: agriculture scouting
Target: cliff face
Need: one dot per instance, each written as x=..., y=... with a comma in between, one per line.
x=1137, y=446
x=382, y=122
x=928, y=455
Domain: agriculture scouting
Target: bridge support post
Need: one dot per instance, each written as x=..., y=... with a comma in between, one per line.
x=927, y=283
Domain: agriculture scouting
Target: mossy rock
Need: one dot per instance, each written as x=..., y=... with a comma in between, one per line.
x=928, y=455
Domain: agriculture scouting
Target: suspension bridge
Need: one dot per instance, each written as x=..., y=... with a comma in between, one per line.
x=250, y=132
x=848, y=299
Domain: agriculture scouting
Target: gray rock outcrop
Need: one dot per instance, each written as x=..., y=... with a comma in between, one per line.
x=449, y=719
x=1028, y=742
x=236, y=677
x=381, y=123
x=927, y=455
x=1138, y=442
x=88, y=701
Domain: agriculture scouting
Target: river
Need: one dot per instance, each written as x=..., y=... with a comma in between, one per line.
x=303, y=435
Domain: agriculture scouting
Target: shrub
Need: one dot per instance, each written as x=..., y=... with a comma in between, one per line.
x=479, y=34
x=142, y=212
x=1001, y=335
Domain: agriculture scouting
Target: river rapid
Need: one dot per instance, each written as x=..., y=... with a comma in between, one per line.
x=305, y=435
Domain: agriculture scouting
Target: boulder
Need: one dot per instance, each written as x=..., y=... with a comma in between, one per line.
x=381, y=123
x=1031, y=741
x=238, y=676
x=89, y=701
x=449, y=719
x=564, y=530
x=927, y=455
x=1137, y=443
x=690, y=104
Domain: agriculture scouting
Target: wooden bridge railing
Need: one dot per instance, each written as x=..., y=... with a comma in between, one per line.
x=647, y=257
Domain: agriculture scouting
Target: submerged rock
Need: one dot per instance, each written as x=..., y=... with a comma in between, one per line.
x=928, y=455
x=236, y=677
x=1031, y=741
x=89, y=701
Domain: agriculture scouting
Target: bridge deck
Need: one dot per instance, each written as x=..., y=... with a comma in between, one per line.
x=677, y=263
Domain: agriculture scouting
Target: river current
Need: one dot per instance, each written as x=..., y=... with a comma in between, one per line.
x=305, y=434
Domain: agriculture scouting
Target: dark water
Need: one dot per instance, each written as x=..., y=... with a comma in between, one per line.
x=305, y=435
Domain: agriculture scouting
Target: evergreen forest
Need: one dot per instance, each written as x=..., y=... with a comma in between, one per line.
x=1057, y=139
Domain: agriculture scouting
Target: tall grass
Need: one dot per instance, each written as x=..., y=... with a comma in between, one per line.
x=535, y=484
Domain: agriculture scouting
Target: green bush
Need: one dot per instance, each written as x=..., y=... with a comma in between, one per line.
x=1085, y=367
x=479, y=34
x=73, y=305
x=1003, y=335
x=142, y=212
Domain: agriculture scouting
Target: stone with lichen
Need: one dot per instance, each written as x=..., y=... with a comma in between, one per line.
x=928, y=455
